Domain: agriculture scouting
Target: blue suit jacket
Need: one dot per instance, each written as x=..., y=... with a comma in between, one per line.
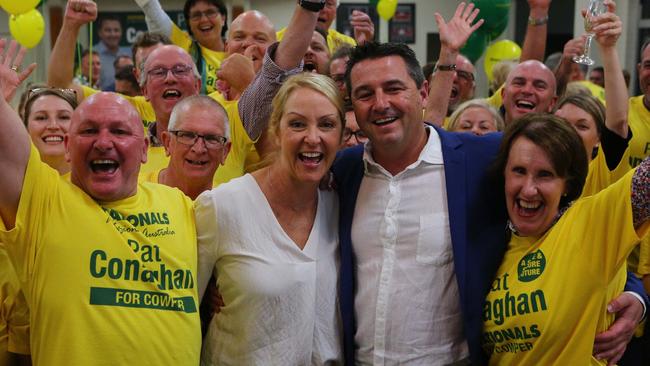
x=477, y=219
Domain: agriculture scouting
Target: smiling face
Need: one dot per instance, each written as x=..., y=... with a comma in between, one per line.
x=197, y=162
x=533, y=188
x=251, y=29
x=388, y=104
x=530, y=87
x=337, y=73
x=476, y=120
x=317, y=55
x=105, y=147
x=164, y=91
x=205, y=22
x=583, y=123
x=47, y=123
x=110, y=32
x=463, y=86
x=309, y=135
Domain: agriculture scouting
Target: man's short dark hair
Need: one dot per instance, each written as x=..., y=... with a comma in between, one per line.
x=645, y=45
x=148, y=39
x=107, y=17
x=125, y=73
x=118, y=58
x=375, y=50
x=85, y=52
x=427, y=69
x=218, y=3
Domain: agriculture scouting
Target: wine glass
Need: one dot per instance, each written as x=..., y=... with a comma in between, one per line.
x=594, y=9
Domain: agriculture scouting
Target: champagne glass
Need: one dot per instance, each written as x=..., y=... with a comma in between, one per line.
x=594, y=9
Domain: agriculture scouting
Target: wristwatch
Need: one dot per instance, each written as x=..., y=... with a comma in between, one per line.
x=450, y=67
x=312, y=5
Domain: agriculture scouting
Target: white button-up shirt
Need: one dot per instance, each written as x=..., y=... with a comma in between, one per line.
x=407, y=303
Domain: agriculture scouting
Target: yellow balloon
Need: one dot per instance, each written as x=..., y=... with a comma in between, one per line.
x=28, y=28
x=500, y=51
x=16, y=7
x=386, y=8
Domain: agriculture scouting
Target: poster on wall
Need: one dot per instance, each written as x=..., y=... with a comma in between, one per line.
x=133, y=24
x=401, y=28
x=344, y=12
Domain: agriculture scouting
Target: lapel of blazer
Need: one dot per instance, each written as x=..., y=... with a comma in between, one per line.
x=455, y=182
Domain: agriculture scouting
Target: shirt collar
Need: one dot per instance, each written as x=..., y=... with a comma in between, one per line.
x=430, y=154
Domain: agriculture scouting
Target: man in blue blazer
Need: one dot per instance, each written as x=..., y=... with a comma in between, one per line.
x=391, y=177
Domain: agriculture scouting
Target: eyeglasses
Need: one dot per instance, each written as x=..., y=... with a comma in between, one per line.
x=467, y=76
x=189, y=138
x=178, y=71
x=195, y=16
x=358, y=134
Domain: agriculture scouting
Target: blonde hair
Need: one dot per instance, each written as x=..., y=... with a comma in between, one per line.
x=316, y=82
x=454, y=119
x=500, y=73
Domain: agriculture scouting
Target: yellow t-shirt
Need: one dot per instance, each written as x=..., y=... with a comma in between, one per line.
x=157, y=160
x=335, y=39
x=212, y=59
x=117, y=280
x=14, y=312
x=550, y=294
x=600, y=177
x=596, y=90
x=639, y=120
x=144, y=108
x=241, y=144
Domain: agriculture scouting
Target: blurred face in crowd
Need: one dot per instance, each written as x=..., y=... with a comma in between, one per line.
x=533, y=188
x=643, y=69
x=309, y=135
x=110, y=33
x=530, y=87
x=464, y=85
x=317, y=55
x=387, y=103
x=337, y=73
x=47, y=123
x=476, y=120
x=352, y=134
x=170, y=78
x=193, y=157
x=123, y=61
x=105, y=147
x=251, y=29
x=141, y=54
x=205, y=23
x=583, y=123
x=327, y=15
x=597, y=77
x=86, y=66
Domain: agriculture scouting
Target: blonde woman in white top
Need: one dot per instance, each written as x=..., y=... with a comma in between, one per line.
x=270, y=239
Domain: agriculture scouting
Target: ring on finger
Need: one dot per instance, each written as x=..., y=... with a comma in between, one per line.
x=14, y=68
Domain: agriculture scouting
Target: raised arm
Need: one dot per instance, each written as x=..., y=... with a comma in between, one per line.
x=14, y=140
x=255, y=102
x=536, y=31
x=453, y=35
x=157, y=20
x=607, y=28
x=362, y=26
x=60, y=70
x=562, y=72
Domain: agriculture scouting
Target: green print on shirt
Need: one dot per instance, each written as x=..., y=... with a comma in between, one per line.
x=511, y=305
x=531, y=266
x=140, y=219
x=141, y=299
